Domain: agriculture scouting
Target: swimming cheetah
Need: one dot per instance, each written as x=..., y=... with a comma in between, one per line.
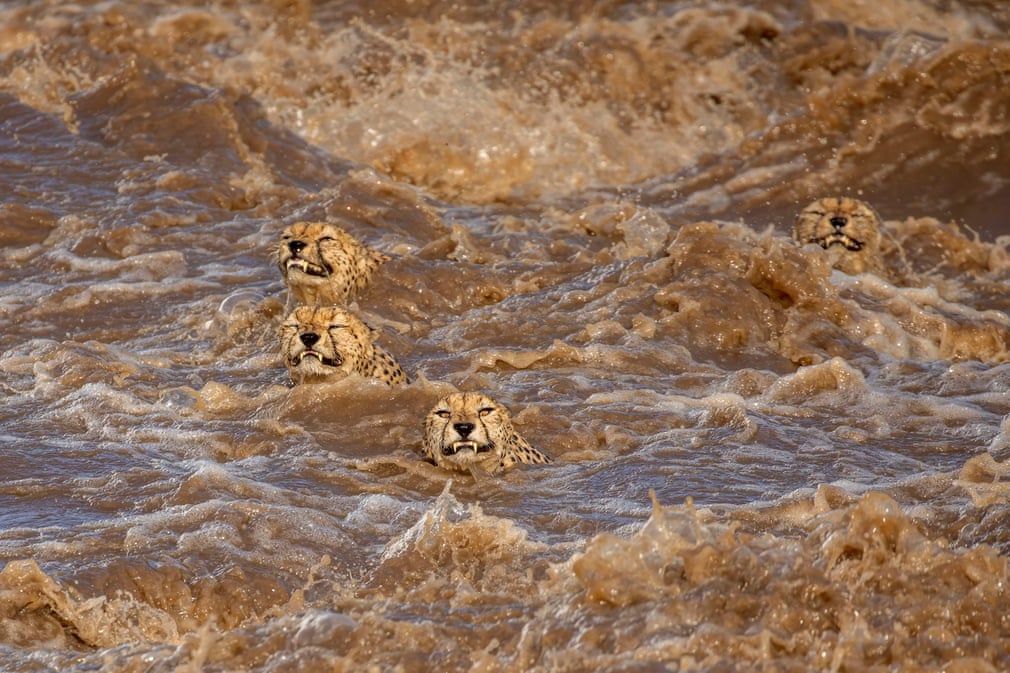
x=466, y=430
x=847, y=228
x=323, y=265
x=327, y=343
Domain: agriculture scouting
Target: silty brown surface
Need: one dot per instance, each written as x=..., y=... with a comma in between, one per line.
x=759, y=462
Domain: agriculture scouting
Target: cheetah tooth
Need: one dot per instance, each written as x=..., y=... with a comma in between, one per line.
x=464, y=444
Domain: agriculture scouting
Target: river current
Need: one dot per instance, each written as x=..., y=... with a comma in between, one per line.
x=761, y=463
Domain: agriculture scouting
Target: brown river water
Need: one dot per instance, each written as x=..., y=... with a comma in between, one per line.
x=760, y=463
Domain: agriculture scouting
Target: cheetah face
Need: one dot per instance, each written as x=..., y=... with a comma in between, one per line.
x=325, y=344
x=468, y=429
x=322, y=264
x=305, y=247
x=839, y=222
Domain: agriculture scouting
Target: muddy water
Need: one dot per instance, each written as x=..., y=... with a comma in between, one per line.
x=761, y=463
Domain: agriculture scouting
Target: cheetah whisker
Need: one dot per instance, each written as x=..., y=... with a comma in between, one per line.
x=480, y=475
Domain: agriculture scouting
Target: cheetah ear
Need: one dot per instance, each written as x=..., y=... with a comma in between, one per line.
x=376, y=258
x=876, y=214
x=372, y=332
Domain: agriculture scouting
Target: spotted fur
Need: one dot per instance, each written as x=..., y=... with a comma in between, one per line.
x=471, y=429
x=847, y=228
x=323, y=265
x=327, y=343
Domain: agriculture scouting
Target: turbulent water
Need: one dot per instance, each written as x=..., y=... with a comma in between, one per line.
x=760, y=462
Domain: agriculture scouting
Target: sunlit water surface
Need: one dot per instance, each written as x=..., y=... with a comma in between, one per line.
x=761, y=463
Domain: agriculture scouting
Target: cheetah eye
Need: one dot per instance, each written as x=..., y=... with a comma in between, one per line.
x=484, y=411
x=442, y=413
x=324, y=239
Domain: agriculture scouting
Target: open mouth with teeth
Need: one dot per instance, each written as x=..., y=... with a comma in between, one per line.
x=308, y=268
x=838, y=238
x=465, y=445
x=297, y=358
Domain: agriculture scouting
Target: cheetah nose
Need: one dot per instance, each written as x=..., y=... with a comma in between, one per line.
x=838, y=221
x=464, y=429
x=296, y=247
x=309, y=338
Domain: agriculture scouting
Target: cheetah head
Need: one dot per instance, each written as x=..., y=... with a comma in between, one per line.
x=322, y=264
x=467, y=430
x=847, y=228
x=839, y=222
x=325, y=344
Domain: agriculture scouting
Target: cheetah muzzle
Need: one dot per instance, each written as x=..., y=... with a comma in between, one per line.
x=838, y=237
x=296, y=262
x=296, y=360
